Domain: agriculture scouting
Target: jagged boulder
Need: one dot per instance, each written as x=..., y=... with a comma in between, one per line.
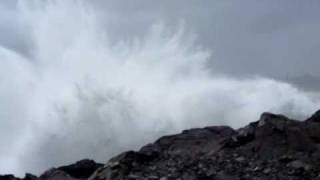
x=56, y=174
x=275, y=135
x=79, y=170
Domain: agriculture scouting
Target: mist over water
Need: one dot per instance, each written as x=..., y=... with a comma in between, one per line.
x=77, y=94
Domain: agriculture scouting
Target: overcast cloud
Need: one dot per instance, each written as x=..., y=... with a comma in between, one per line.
x=272, y=38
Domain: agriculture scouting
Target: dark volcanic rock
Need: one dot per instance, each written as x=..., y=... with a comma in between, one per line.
x=315, y=117
x=56, y=174
x=78, y=171
x=8, y=177
x=30, y=177
x=11, y=177
x=274, y=147
x=81, y=169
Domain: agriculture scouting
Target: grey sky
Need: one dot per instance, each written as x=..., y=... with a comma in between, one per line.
x=270, y=38
x=274, y=38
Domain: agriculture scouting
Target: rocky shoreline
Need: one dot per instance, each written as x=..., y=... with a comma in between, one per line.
x=274, y=147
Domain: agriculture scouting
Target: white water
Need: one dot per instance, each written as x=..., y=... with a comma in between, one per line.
x=77, y=95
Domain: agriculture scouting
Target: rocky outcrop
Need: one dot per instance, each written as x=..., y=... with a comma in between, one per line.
x=81, y=169
x=78, y=171
x=12, y=177
x=274, y=147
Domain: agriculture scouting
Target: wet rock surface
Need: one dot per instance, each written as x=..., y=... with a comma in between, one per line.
x=274, y=147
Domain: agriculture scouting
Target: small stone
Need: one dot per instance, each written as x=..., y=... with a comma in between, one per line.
x=291, y=172
x=172, y=169
x=210, y=172
x=153, y=177
x=286, y=159
x=267, y=170
x=200, y=165
x=257, y=168
x=240, y=159
x=133, y=176
x=113, y=164
x=297, y=164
